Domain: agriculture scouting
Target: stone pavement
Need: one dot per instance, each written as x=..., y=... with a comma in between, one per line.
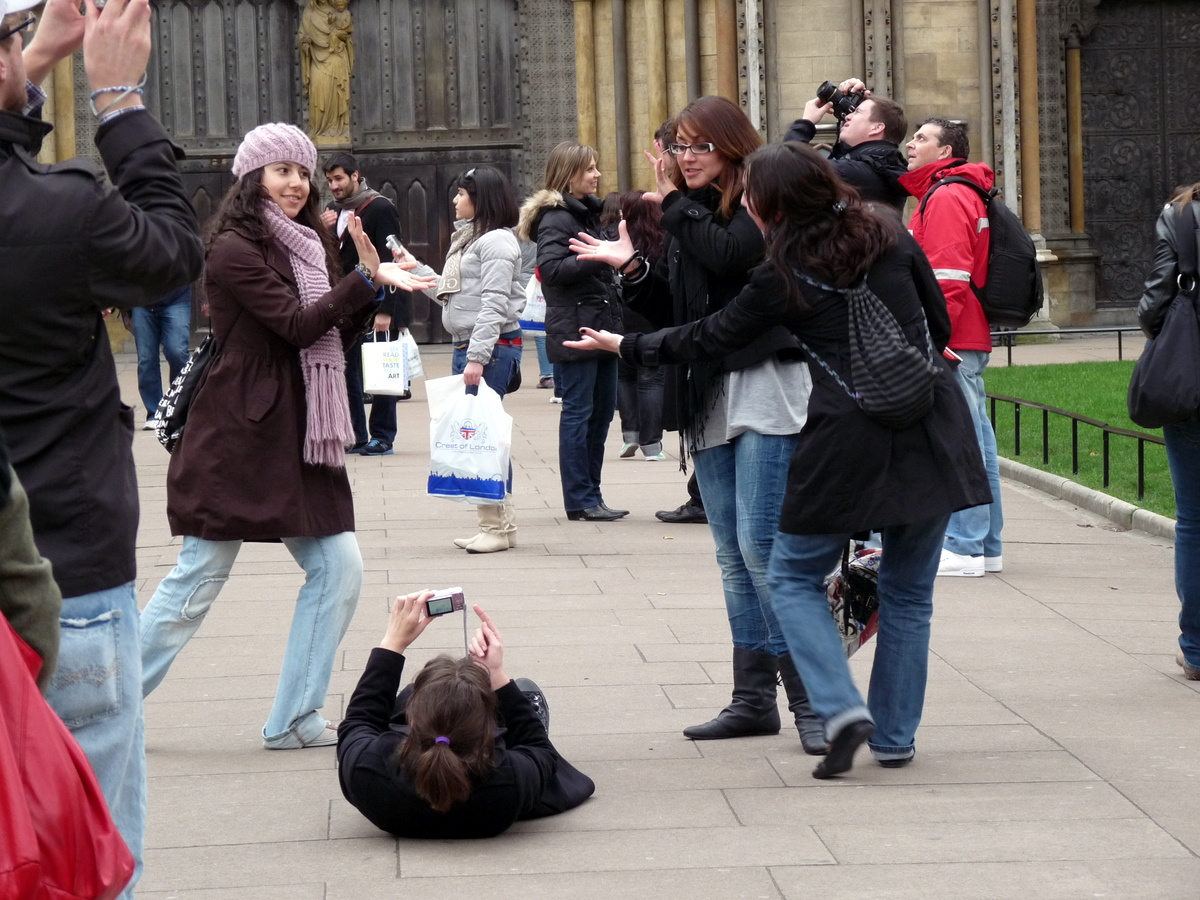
x=1059, y=756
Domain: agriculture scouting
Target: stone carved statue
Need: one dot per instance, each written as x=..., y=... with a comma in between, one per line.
x=326, y=60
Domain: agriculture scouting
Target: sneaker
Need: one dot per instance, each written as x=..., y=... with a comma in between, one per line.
x=628, y=451
x=955, y=564
x=655, y=457
x=1188, y=672
x=546, y=381
x=376, y=447
x=327, y=738
x=151, y=424
x=993, y=564
x=557, y=400
x=356, y=448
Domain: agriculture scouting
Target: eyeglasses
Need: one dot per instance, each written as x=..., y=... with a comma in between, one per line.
x=697, y=149
x=29, y=19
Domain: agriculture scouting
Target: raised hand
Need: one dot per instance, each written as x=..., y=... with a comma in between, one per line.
x=612, y=252
x=406, y=622
x=116, y=47
x=487, y=649
x=395, y=275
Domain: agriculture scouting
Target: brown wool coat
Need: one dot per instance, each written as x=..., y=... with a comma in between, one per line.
x=238, y=471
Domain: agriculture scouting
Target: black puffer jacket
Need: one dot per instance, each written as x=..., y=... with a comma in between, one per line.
x=1160, y=284
x=578, y=292
x=873, y=167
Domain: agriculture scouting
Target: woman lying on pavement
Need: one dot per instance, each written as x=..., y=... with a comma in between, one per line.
x=461, y=753
x=849, y=472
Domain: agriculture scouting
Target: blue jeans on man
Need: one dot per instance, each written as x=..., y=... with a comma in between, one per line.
x=97, y=692
x=1183, y=459
x=799, y=565
x=976, y=531
x=743, y=484
x=589, y=395
x=166, y=324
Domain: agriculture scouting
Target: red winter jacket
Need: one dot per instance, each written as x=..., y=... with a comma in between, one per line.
x=953, y=232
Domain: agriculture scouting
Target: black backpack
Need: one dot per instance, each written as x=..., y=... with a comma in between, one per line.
x=1013, y=293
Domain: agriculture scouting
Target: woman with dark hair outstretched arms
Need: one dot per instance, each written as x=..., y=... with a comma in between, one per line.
x=849, y=473
x=462, y=753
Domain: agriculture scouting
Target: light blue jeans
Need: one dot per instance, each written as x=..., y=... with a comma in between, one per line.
x=1183, y=458
x=743, y=484
x=799, y=564
x=333, y=578
x=976, y=531
x=96, y=691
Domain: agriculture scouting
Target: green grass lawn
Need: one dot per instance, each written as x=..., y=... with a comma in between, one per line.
x=1093, y=389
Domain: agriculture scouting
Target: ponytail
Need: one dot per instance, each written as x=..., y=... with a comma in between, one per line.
x=451, y=714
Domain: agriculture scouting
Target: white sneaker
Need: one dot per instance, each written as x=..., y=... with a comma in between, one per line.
x=150, y=425
x=993, y=564
x=628, y=450
x=557, y=400
x=655, y=457
x=962, y=566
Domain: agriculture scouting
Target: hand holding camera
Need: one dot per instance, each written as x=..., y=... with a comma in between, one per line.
x=116, y=48
x=839, y=99
x=407, y=620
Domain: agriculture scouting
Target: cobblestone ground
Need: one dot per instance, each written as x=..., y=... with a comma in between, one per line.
x=1059, y=756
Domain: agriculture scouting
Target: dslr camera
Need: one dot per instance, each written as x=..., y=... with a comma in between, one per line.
x=447, y=600
x=843, y=104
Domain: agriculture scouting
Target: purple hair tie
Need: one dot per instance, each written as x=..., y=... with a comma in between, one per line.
x=442, y=740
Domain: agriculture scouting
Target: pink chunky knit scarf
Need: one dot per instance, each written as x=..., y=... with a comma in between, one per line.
x=329, y=429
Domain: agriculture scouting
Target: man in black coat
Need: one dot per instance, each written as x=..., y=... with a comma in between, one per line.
x=867, y=154
x=379, y=220
x=73, y=242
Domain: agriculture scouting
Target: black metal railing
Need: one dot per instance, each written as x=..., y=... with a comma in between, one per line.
x=1008, y=339
x=1142, y=438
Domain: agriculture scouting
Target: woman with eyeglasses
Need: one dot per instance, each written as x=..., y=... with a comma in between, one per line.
x=578, y=294
x=739, y=416
x=482, y=294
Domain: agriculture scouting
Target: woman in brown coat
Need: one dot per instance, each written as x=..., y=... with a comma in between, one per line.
x=262, y=457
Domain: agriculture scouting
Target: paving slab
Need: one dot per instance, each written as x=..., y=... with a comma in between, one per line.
x=1058, y=757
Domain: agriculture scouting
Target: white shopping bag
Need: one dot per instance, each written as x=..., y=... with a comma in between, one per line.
x=533, y=317
x=416, y=369
x=385, y=367
x=470, y=437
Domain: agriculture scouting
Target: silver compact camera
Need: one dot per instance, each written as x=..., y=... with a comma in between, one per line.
x=447, y=600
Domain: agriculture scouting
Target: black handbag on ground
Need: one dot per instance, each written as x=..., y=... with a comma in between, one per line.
x=1165, y=385
x=893, y=380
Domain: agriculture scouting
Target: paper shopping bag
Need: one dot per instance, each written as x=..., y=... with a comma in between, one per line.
x=385, y=366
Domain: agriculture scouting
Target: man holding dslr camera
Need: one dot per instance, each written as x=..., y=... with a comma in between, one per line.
x=867, y=153
x=73, y=243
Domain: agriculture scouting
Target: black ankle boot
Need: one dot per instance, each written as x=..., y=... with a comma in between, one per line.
x=808, y=723
x=753, y=709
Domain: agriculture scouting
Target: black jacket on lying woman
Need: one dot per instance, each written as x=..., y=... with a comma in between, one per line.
x=849, y=473
x=529, y=779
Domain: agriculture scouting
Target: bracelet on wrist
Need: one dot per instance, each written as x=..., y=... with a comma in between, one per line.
x=366, y=273
x=637, y=257
x=122, y=90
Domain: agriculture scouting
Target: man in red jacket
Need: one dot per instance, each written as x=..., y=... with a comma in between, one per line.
x=952, y=229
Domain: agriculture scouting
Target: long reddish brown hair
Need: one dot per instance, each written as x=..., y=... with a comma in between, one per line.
x=723, y=122
x=813, y=219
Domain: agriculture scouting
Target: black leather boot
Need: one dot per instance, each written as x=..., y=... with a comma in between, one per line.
x=753, y=709
x=808, y=723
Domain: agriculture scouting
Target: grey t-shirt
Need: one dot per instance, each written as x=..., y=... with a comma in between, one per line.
x=768, y=398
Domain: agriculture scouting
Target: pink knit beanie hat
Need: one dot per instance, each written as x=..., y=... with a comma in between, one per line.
x=275, y=142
